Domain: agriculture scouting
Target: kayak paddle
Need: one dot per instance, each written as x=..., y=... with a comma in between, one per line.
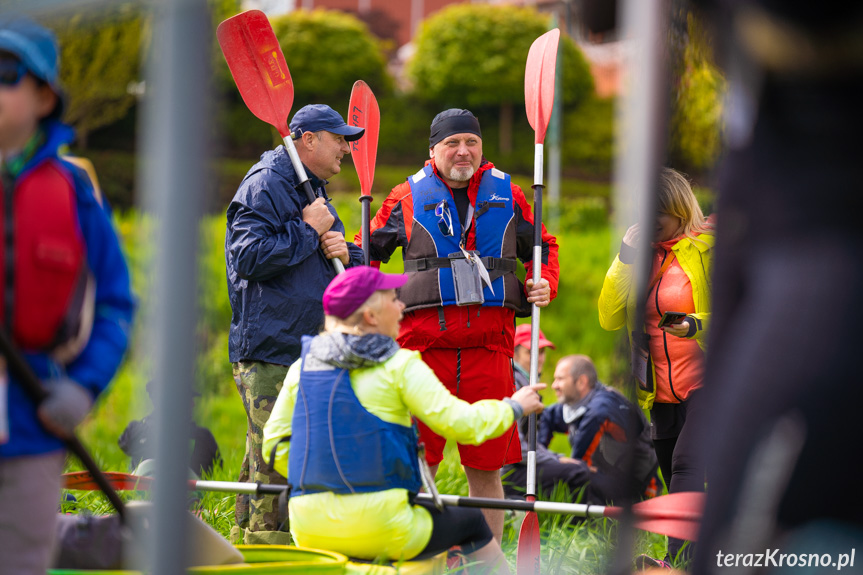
x=364, y=111
x=676, y=514
x=539, y=100
x=33, y=387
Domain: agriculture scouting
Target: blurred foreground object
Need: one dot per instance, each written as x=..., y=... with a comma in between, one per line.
x=782, y=382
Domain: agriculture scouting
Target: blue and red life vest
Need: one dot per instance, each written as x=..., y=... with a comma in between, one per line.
x=47, y=288
x=427, y=255
x=337, y=445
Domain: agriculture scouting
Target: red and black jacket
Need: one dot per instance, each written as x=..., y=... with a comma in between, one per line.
x=453, y=326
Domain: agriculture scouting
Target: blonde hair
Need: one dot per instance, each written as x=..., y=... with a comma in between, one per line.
x=353, y=323
x=676, y=199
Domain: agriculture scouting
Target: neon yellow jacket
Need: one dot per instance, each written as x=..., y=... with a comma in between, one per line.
x=617, y=299
x=381, y=524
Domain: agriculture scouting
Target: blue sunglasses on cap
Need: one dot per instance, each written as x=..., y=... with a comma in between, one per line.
x=11, y=71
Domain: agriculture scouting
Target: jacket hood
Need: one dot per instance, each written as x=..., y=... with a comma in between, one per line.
x=347, y=351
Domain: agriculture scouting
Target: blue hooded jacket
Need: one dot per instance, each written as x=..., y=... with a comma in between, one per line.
x=114, y=306
x=276, y=273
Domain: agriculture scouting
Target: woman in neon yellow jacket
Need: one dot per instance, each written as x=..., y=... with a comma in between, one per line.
x=668, y=362
x=341, y=431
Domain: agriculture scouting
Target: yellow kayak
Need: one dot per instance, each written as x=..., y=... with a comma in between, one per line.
x=278, y=559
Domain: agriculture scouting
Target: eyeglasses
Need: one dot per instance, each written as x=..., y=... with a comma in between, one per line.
x=445, y=223
x=11, y=71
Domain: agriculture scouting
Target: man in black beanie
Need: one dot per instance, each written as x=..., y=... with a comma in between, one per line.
x=461, y=225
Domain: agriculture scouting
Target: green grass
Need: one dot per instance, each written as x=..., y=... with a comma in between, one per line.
x=586, y=249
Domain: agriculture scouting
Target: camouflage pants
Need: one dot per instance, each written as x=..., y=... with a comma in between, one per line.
x=258, y=516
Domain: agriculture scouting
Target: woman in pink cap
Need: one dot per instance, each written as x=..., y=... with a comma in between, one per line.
x=346, y=412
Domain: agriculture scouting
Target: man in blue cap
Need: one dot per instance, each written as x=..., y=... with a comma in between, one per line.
x=278, y=247
x=67, y=304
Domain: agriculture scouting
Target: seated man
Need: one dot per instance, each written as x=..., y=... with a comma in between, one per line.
x=137, y=442
x=603, y=426
x=551, y=468
x=342, y=433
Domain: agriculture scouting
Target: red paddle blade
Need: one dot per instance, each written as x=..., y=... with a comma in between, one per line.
x=539, y=82
x=83, y=481
x=365, y=113
x=527, y=554
x=258, y=66
x=676, y=514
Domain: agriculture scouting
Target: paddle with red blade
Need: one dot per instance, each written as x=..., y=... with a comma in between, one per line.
x=538, y=100
x=676, y=514
x=365, y=113
x=33, y=387
x=261, y=73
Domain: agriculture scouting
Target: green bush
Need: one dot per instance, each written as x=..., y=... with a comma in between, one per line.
x=588, y=137
x=327, y=51
x=404, y=133
x=450, y=70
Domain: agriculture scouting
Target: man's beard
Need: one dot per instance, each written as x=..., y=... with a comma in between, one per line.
x=461, y=174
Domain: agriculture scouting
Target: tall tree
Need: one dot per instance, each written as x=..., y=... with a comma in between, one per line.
x=474, y=55
x=100, y=64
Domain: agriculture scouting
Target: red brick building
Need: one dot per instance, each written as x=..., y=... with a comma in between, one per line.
x=397, y=20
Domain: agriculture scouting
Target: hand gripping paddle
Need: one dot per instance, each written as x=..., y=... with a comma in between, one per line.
x=259, y=69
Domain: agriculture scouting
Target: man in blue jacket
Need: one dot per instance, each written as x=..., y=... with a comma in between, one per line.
x=277, y=248
x=604, y=428
x=551, y=468
x=67, y=304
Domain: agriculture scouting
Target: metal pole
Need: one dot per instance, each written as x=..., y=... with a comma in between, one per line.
x=174, y=143
x=641, y=139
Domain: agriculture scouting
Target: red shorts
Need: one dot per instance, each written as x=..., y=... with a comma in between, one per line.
x=484, y=375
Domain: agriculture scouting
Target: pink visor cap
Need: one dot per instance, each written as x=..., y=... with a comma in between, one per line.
x=350, y=290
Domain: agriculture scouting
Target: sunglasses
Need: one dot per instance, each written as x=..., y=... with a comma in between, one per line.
x=445, y=223
x=11, y=71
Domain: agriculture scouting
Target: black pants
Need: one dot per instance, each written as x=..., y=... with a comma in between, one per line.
x=584, y=486
x=677, y=449
x=463, y=526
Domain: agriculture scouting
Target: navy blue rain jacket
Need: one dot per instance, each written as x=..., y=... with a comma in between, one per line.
x=276, y=271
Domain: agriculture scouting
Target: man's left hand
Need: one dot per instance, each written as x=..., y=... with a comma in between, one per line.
x=541, y=294
x=334, y=245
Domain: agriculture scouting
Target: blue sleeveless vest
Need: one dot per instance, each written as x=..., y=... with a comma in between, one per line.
x=338, y=446
x=427, y=254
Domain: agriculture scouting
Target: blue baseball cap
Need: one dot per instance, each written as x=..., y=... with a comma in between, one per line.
x=36, y=47
x=316, y=117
